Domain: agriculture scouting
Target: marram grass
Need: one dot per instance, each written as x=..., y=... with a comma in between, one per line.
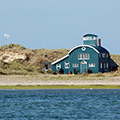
x=61, y=87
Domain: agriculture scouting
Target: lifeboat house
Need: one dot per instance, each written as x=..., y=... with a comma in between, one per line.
x=90, y=57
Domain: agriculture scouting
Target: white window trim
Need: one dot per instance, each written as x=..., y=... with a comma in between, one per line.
x=83, y=62
x=91, y=64
x=103, y=55
x=83, y=48
x=89, y=38
x=107, y=65
x=99, y=54
x=83, y=56
x=101, y=65
x=58, y=65
x=107, y=55
x=67, y=63
x=75, y=65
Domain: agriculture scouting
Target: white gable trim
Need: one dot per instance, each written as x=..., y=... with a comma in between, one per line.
x=59, y=59
x=83, y=46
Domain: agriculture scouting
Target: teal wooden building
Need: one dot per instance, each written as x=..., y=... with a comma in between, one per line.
x=90, y=57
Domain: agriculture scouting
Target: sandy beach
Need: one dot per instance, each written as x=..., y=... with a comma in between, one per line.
x=57, y=80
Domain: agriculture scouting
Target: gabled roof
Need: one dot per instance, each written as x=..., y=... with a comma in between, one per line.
x=60, y=59
x=98, y=49
x=84, y=46
x=101, y=49
x=112, y=63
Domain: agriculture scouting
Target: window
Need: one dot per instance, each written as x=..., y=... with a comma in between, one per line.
x=66, y=65
x=107, y=65
x=83, y=62
x=90, y=38
x=99, y=54
x=100, y=65
x=91, y=64
x=106, y=55
x=75, y=65
x=94, y=38
x=83, y=48
x=83, y=56
x=58, y=66
x=87, y=56
x=103, y=55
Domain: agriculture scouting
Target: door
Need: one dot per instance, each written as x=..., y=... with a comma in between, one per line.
x=83, y=66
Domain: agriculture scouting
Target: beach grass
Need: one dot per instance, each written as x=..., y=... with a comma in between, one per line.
x=60, y=87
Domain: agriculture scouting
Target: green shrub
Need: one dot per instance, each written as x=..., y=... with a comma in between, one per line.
x=61, y=71
x=99, y=75
x=84, y=74
x=49, y=71
x=75, y=71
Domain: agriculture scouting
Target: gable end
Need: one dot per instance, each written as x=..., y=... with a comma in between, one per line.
x=83, y=46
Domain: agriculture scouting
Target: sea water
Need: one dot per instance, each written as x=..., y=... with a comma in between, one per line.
x=60, y=104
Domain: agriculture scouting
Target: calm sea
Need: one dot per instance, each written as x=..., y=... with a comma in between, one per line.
x=60, y=104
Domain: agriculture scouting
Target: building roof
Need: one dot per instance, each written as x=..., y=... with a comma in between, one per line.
x=90, y=35
x=112, y=63
x=98, y=49
x=60, y=59
x=101, y=49
x=84, y=46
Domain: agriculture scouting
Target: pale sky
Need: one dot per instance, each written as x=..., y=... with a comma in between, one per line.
x=55, y=24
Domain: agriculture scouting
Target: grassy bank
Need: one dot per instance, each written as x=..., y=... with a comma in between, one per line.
x=62, y=87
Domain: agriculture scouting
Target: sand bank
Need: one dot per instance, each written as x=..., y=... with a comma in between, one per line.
x=57, y=80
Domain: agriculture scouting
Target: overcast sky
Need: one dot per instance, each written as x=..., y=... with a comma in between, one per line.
x=55, y=24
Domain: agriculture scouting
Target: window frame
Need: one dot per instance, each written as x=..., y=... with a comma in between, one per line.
x=83, y=56
x=75, y=65
x=107, y=55
x=101, y=65
x=91, y=64
x=107, y=65
x=58, y=65
x=100, y=55
x=67, y=65
x=103, y=55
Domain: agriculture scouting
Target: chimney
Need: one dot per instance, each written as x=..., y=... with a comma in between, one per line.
x=99, y=42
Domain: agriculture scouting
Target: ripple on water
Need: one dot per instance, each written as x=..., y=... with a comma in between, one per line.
x=59, y=104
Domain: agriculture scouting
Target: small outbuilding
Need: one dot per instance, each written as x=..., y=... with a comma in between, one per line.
x=90, y=57
x=47, y=65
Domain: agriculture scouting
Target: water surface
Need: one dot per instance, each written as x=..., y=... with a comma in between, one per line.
x=59, y=104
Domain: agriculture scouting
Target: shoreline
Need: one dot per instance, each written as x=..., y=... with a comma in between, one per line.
x=48, y=81
x=33, y=87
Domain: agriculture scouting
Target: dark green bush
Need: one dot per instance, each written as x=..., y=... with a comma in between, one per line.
x=61, y=71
